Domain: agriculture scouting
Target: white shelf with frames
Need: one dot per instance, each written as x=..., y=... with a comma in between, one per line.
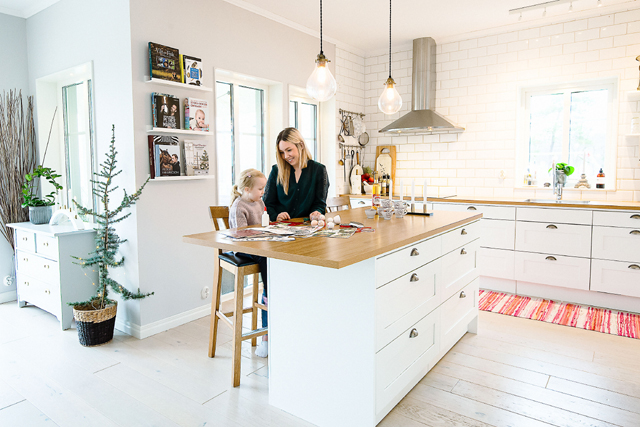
x=151, y=129
x=177, y=85
x=182, y=178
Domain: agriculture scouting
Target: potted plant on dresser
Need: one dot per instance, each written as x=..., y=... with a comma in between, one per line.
x=95, y=319
x=40, y=209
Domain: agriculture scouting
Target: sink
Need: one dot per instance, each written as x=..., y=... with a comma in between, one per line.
x=571, y=202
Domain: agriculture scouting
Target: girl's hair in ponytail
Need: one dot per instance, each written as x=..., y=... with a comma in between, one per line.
x=247, y=179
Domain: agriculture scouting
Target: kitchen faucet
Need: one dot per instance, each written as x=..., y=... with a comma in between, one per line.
x=557, y=185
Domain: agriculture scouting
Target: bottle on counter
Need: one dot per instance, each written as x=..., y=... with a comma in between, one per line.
x=383, y=186
x=265, y=217
x=600, y=179
x=375, y=193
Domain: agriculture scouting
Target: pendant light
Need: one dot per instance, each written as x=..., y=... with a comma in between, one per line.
x=390, y=101
x=321, y=85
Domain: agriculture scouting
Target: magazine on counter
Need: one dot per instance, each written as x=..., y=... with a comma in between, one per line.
x=164, y=62
x=167, y=156
x=192, y=70
x=166, y=111
x=196, y=157
x=196, y=114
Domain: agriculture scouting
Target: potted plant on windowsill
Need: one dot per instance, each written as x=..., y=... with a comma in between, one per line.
x=40, y=209
x=95, y=319
x=563, y=170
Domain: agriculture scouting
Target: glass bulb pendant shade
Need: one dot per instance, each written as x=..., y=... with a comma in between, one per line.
x=321, y=85
x=390, y=101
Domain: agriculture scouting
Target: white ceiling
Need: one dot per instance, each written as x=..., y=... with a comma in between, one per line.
x=24, y=8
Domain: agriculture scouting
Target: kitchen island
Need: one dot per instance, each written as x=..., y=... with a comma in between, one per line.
x=355, y=323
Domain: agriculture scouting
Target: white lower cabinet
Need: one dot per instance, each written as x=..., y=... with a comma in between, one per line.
x=498, y=263
x=456, y=312
x=554, y=238
x=497, y=234
x=553, y=270
x=616, y=244
x=614, y=277
x=459, y=267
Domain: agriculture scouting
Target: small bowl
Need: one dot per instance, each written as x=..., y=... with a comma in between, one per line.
x=400, y=213
x=371, y=213
x=386, y=213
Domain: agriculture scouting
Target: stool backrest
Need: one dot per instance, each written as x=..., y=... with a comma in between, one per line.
x=219, y=214
x=335, y=204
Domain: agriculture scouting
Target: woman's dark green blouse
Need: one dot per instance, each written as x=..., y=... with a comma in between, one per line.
x=305, y=196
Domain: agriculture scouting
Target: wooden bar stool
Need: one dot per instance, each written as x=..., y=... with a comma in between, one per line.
x=240, y=267
x=335, y=204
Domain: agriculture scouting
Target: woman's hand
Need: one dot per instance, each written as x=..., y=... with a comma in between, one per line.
x=314, y=215
x=282, y=216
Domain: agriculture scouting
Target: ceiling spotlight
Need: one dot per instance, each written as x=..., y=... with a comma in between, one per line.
x=571, y=7
x=520, y=17
x=544, y=12
x=599, y=3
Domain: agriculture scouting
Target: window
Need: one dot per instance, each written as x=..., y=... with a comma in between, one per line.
x=571, y=124
x=240, y=132
x=303, y=115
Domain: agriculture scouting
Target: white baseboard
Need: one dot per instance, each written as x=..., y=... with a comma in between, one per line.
x=8, y=296
x=142, y=332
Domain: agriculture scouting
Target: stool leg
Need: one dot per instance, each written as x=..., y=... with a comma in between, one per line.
x=237, y=326
x=215, y=306
x=254, y=311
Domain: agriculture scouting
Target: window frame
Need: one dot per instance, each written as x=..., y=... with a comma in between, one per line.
x=523, y=129
x=298, y=100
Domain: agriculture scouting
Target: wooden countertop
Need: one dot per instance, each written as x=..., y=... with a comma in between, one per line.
x=338, y=253
x=594, y=204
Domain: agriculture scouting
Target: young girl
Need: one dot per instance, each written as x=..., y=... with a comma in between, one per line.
x=246, y=209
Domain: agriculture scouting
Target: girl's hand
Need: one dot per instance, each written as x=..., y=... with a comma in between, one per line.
x=282, y=216
x=314, y=215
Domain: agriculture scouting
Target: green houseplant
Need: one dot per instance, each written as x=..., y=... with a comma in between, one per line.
x=95, y=319
x=39, y=208
x=564, y=170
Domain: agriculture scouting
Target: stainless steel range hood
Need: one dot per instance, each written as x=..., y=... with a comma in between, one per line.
x=423, y=118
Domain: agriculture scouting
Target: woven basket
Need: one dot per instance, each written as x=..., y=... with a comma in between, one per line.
x=95, y=327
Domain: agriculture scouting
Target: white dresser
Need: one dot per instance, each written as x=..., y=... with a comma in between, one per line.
x=45, y=271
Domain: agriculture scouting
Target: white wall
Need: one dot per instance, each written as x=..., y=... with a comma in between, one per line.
x=228, y=38
x=478, y=81
x=13, y=45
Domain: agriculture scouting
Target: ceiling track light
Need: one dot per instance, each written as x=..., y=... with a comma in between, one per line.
x=544, y=12
x=543, y=6
x=520, y=17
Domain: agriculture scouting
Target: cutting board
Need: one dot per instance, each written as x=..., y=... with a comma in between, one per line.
x=388, y=161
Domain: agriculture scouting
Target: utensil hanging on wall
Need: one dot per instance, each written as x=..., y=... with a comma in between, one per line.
x=363, y=139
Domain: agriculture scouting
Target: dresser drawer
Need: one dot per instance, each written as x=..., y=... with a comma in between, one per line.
x=47, y=246
x=553, y=270
x=616, y=244
x=395, y=264
x=629, y=219
x=458, y=269
x=39, y=293
x=25, y=241
x=456, y=312
x=496, y=233
x=492, y=212
x=402, y=302
x=614, y=277
x=38, y=267
x=405, y=358
x=498, y=263
x=360, y=203
x=554, y=238
x=460, y=236
x=553, y=215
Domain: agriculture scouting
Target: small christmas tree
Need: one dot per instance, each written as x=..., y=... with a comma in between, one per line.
x=107, y=241
x=204, y=160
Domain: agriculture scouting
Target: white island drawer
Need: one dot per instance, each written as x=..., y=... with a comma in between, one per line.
x=458, y=269
x=404, y=301
x=554, y=215
x=405, y=358
x=496, y=233
x=395, y=264
x=498, y=263
x=25, y=240
x=614, y=277
x=629, y=219
x=554, y=238
x=553, y=270
x=457, y=312
x=616, y=244
x=460, y=236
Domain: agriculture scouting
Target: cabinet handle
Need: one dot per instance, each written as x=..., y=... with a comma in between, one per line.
x=551, y=258
x=45, y=244
x=25, y=259
x=25, y=239
x=636, y=216
x=361, y=202
x=463, y=252
x=463, y=295
x=634, y=232
x=47, y=291
x=472, y=208
x=414, y=278
x=26, y=283
x=414, y=252
x=634, y=267
x=413, y=333
x=46, y=266
x=463, y=232
x=552, y=227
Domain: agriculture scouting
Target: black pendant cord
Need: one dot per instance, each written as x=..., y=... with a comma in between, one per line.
x=389, y=38
x=321, y=53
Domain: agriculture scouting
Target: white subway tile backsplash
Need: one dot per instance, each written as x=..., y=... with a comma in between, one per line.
x=572, y=26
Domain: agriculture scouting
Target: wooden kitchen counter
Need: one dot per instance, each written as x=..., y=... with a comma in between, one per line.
x=338, y=253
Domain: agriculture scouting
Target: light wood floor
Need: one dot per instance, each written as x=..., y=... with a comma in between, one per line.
x=516, y=372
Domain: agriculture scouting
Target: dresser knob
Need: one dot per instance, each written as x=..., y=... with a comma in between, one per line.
x=46, y=243
x=46, y=266
x=414, y=278
x=413, y=333
x=414, y=252
x=26, y=283
x=25, y=239
x=463, y=252
x=47, y=291
x=463, y=295
x=463, y=232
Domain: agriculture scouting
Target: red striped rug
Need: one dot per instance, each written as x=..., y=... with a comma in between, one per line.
x=591, y=318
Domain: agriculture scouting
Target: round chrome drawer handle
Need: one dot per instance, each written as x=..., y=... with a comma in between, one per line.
x=471, y=208
x=634, y=267
x=463, y=252
x=413, y=333
x=463, y=232
x=551, y=258
x=552, y=227
x=634, y=232
x=414, y=278
x=414, y=252
x=463, y=295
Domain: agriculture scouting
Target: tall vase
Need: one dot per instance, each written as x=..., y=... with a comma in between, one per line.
x=562, y=177
x=40, y=214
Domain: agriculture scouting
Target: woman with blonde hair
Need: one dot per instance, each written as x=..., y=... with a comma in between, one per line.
x=297, y=185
